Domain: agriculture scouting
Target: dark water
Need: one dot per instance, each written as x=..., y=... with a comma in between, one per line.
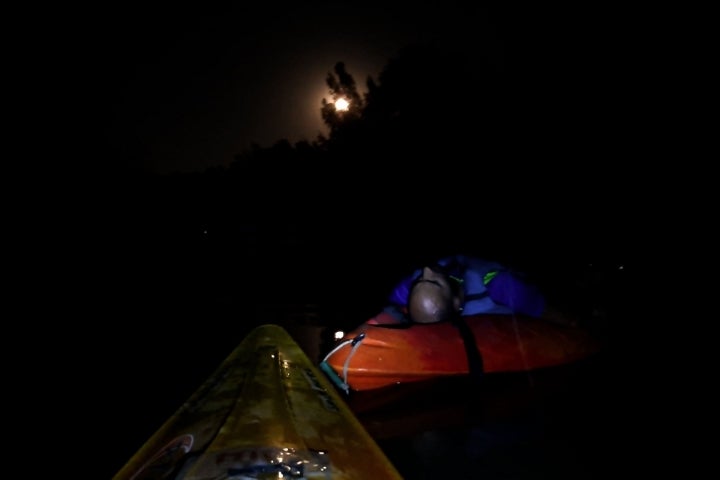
x=524, y=426
x=165, y=333
x=544, y=426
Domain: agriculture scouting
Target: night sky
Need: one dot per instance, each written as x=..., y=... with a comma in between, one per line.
x=126, y=91
x=118, y=92
x=166, y=90
x=122, y=91
x=184, y=89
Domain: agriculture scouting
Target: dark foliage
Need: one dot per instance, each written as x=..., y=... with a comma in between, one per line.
x=443, y=152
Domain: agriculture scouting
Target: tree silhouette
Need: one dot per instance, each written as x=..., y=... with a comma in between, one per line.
x=341, y=85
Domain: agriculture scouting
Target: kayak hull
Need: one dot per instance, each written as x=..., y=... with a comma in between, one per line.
x=267, y=411
x=386, y=353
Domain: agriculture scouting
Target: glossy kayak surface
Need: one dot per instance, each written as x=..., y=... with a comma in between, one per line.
x=267, y=412
x=381, y=353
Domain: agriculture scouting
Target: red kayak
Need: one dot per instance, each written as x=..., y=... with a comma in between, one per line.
x=381, y=352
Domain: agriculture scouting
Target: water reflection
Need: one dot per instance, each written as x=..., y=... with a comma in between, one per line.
x=512, y=426
x=528, y=425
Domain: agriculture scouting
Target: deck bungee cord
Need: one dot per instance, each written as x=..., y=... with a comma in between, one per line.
x=342, y=382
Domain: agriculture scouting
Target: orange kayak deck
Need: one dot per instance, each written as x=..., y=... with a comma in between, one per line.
x=379, y=353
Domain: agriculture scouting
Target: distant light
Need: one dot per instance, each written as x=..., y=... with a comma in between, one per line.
x=342, y=105
x=339, y=334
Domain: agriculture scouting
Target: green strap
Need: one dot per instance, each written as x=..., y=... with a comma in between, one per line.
x=489, y=276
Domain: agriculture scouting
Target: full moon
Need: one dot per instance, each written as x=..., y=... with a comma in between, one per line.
x=342, y=105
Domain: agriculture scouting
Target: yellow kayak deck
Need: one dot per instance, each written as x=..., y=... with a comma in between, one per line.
x=266, y=412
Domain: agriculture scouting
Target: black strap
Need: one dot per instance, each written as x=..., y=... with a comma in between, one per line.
x=475, y=361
